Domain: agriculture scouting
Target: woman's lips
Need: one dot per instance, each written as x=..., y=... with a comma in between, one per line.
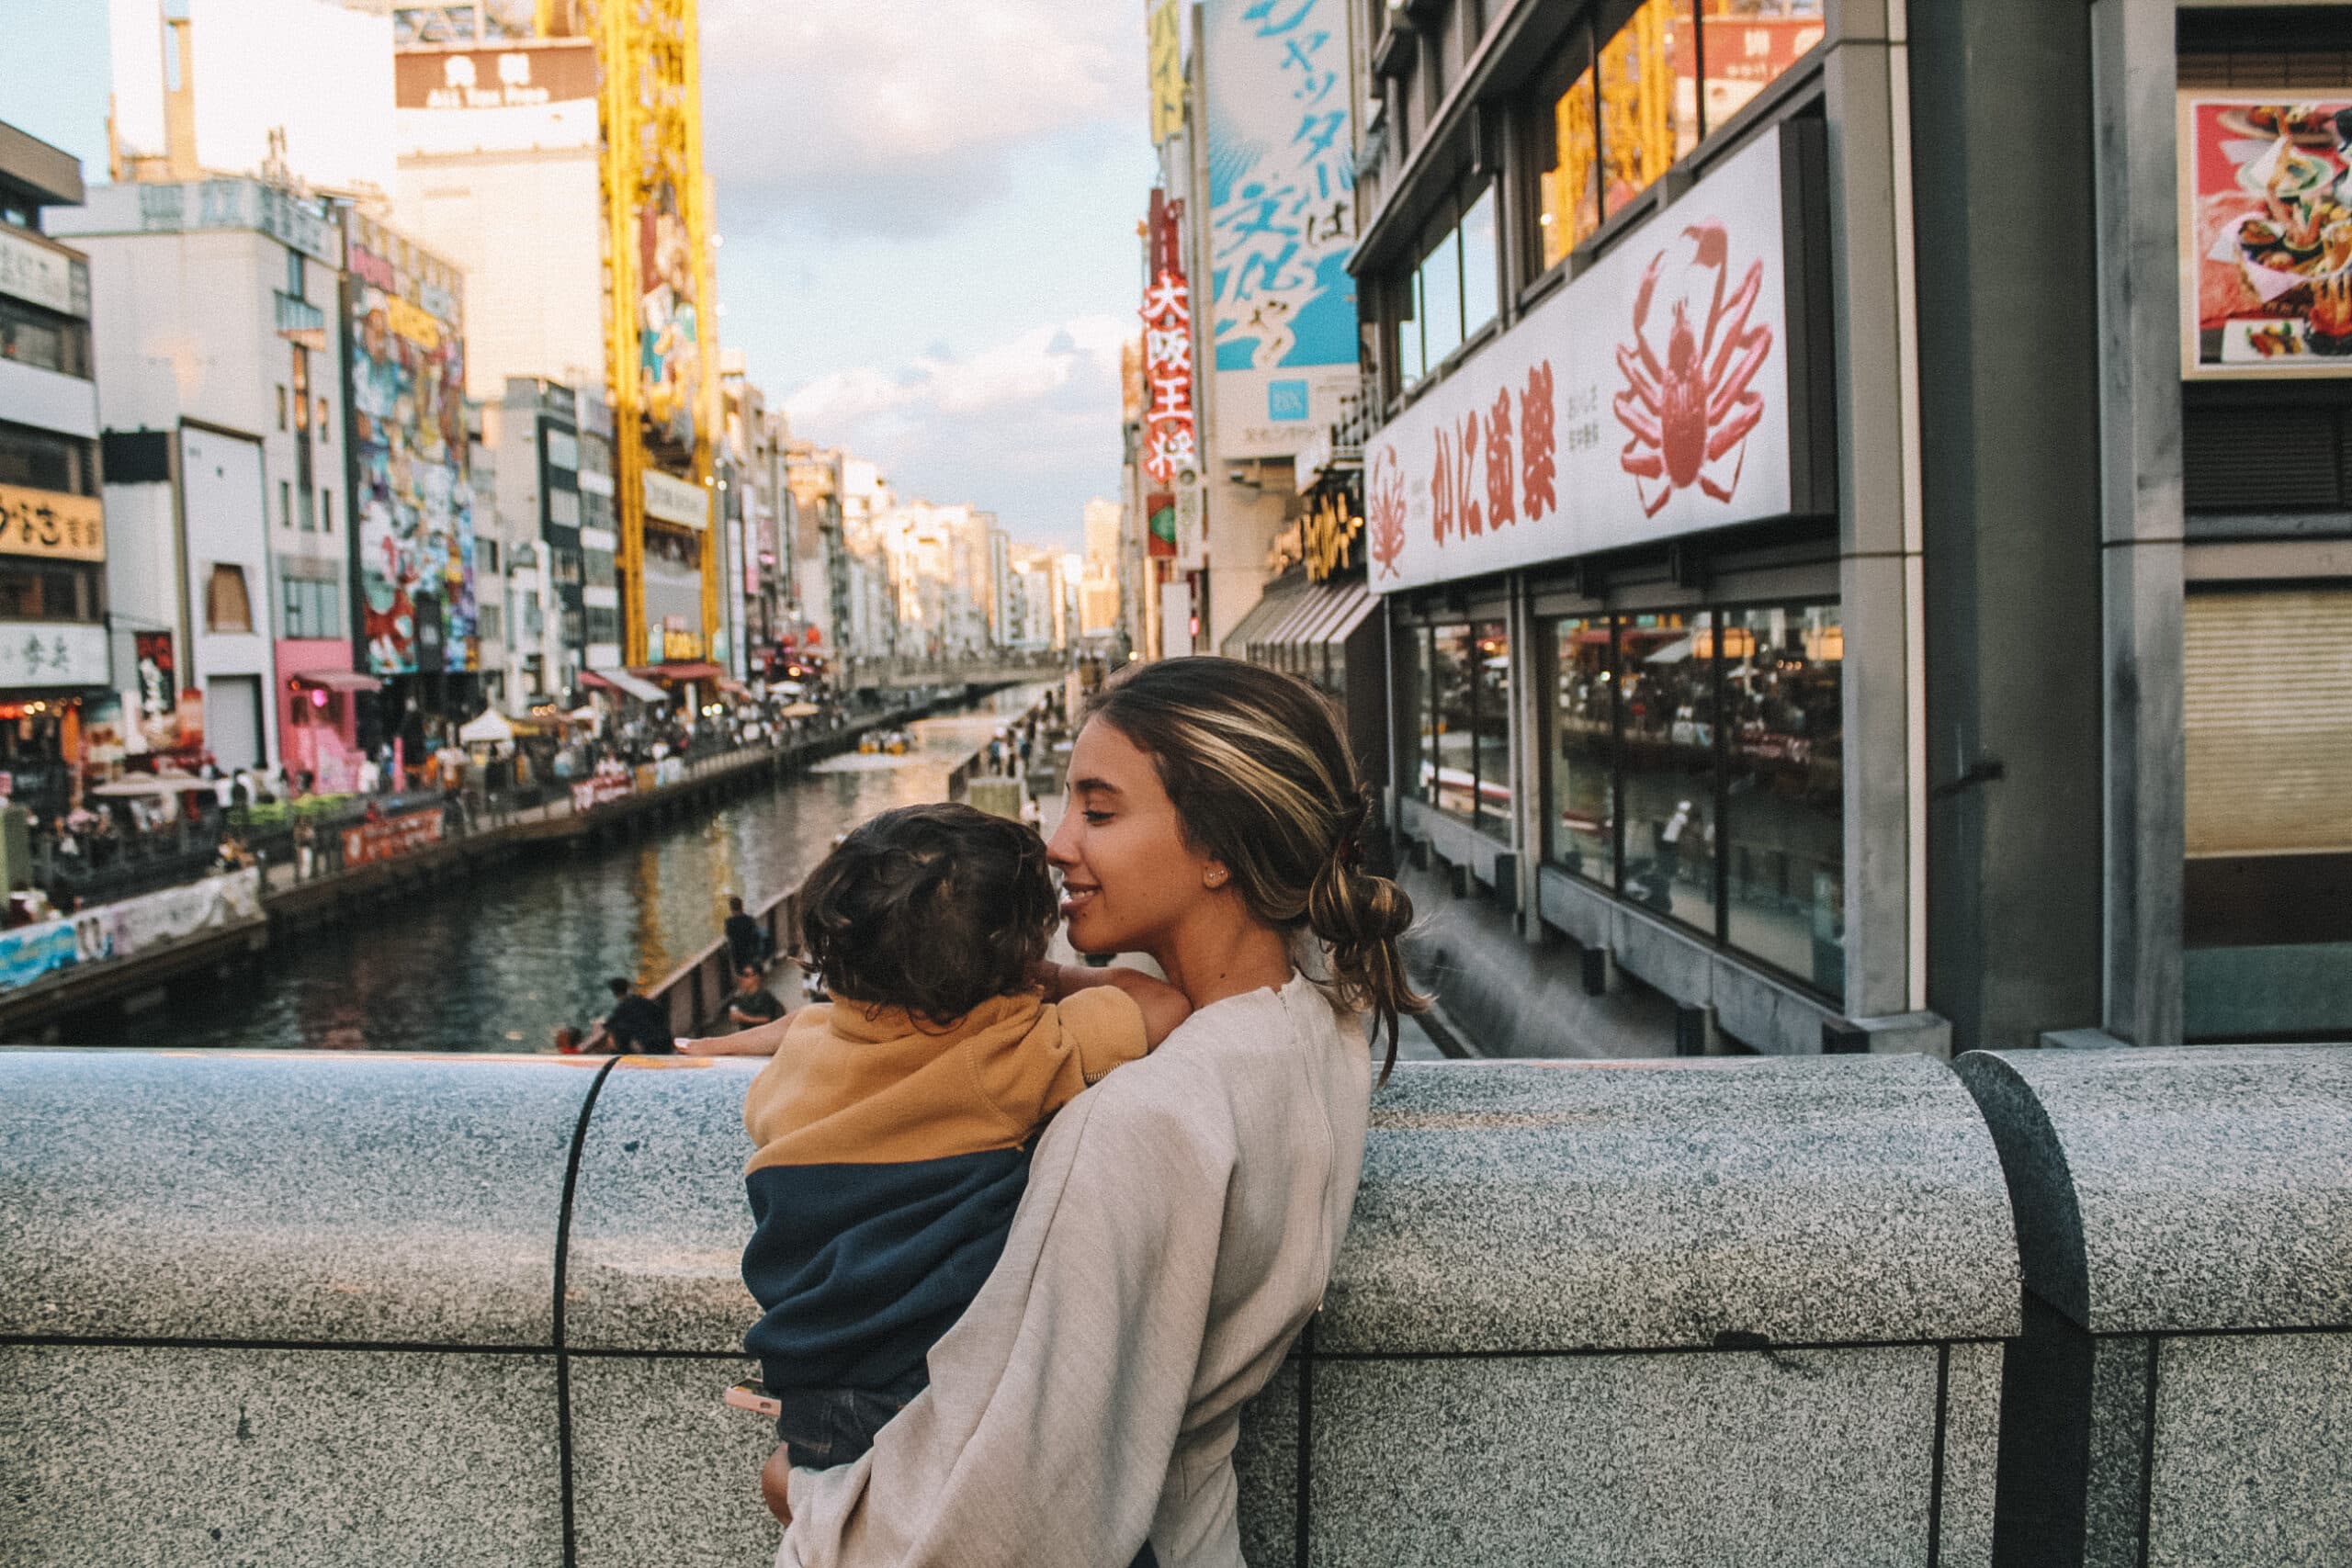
x=1075, y=897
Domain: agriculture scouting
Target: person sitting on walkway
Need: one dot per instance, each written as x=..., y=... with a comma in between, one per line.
x=637, y=1026
x=752, y=1003
x=894, y=1122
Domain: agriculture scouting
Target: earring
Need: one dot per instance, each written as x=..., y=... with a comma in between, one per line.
x=1215, y=878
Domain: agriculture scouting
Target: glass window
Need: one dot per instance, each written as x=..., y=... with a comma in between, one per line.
x=39, y=459
x=1583, y=804
x=1748, y=43
x=1481, y=283
x=1666, y=664
x=1493, y=788
x=1410, y=364
x=1454, y=761
x=1649, y=99
x=1439, y=294
x=1420, y=681
x=1784, y=789
x=227, y=605
x=1565, y=157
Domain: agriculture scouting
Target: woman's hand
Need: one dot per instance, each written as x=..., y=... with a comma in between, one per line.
x=773, y=1475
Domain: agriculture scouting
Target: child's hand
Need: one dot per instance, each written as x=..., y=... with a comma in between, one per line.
x=1164, y=1007
x=772, y=1478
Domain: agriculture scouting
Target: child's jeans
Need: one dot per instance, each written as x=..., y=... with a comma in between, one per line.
x=825, y=1427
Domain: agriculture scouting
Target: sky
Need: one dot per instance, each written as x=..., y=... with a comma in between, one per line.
x=928, y=212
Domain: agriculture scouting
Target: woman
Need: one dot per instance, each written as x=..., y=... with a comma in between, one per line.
x=1180, y=1217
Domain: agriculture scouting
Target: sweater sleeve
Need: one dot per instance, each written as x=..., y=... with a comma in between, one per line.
x=1055, y=1403
x=1073, y=1044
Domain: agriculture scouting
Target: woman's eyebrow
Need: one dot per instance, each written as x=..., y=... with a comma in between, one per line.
x=1092, y=786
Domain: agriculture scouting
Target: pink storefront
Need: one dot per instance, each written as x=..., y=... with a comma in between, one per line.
x=318, y=693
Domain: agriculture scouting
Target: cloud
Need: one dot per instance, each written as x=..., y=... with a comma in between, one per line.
x=1027, y=427
x=862, y=117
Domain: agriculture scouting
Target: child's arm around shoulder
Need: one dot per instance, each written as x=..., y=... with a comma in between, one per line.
x=1163, y=1005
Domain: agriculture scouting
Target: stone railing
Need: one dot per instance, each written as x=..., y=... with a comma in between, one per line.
x=2045, y=1308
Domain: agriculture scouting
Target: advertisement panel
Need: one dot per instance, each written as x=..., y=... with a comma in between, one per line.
x=53, y=653
x=389, y=840
x=413, y=496
x=2266, y=223
x=1648, y=398
x=674, y=499
x=134, y=925
x=1167, y=57
x=43, y=276
x=49, y=523
x=1170, y=453
x=1281, y=224
x=669, y=327
x=602, y=790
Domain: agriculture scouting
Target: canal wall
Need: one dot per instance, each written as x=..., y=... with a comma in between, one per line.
x=2040, y=1308
x=482, y=840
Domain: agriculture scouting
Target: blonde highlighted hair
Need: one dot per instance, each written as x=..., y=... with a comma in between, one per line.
x=1261, y=778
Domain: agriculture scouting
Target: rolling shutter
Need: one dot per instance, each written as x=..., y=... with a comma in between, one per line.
x=2268, y=717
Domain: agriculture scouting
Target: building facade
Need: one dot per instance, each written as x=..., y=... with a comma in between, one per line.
x=57, y=710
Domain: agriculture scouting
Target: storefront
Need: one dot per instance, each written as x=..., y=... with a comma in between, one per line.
x=1603, y=520
x=318, y=722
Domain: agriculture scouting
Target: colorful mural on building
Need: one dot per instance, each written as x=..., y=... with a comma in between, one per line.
x=412, y=498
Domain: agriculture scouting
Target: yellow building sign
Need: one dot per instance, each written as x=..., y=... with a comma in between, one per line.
x=1167, y=73
x=1327, y=535
x=49, y=523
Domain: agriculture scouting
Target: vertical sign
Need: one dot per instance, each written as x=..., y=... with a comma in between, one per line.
x=1282, y=183
x=1167, y=72
x=1170, y=453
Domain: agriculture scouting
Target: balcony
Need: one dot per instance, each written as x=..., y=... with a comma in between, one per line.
x=1338, y=447
x=300, y=322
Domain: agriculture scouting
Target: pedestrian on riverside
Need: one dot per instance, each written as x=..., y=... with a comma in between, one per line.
x=637, y=1026
x=1180, y=1220
x=752, y=1004
x=893, y=1120
x=746, y=943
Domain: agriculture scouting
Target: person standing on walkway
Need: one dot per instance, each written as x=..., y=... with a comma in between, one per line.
x=746, y=944
x=752, y=1004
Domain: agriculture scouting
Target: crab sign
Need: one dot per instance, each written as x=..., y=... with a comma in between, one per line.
x=1690, y=416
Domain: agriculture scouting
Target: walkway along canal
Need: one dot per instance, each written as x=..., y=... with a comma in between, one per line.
x=497, y=953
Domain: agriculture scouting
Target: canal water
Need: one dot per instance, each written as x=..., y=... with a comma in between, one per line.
x=497, y=962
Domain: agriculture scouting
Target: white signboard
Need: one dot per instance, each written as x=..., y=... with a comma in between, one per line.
x=53, y=653
x=1646, y=399
x=31, y=271
x=675, y=500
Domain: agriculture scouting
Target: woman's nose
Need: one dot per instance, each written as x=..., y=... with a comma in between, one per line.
x=1061, y=850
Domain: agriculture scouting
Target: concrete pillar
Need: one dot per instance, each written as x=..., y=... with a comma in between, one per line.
x=1868, y=111
x=2134, y=84
x=2008, y=292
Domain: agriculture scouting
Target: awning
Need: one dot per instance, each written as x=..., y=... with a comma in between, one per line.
x=131, y=785
x=628, y=685
x=734, y=688
x=1326, y=612
x=338, y=680
x=695, y=672
x=1272, y=606
x=490, y=727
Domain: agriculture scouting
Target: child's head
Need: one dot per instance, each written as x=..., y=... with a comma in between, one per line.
x=933, y=908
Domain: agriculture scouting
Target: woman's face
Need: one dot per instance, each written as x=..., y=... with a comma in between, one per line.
x=1129, y=878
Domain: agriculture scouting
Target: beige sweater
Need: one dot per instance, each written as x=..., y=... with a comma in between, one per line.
x=1181, y=1220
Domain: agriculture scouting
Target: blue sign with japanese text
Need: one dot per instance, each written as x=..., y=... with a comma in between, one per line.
x=1282, y=182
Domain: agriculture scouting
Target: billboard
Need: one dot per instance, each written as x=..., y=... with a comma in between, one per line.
x=669, y=327
x=1167, y=71
x=413, y=537
x=2267, y=220
x=1649, y=397
x=1282, y=223
x=1170, y=454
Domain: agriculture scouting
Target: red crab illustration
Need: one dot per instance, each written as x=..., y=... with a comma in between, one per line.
x=1385, y=494
x=1688, y=415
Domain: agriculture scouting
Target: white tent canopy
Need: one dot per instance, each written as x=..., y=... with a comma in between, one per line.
x=490, y=729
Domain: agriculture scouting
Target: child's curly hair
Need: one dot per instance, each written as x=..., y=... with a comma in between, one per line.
x=933, y=908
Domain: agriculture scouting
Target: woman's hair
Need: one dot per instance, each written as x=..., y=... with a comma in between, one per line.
x=933, y=908
x=1262, y=779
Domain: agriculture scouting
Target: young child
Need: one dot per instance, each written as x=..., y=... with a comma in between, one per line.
x=894, y=1123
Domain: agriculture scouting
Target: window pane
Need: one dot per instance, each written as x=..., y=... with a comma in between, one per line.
x=1649, y=100
x=1418, y=779
x=1749, y=42
x=1454, y=741
x=1440, y=301
x=1583, y=804
x=1784, y=806
x=1493, y=787
x=1666, y=664
x=1571, y=190
x=1480, y=284
x=1411, y=363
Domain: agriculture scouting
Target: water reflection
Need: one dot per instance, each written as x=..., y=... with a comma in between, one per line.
x=494, y=964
